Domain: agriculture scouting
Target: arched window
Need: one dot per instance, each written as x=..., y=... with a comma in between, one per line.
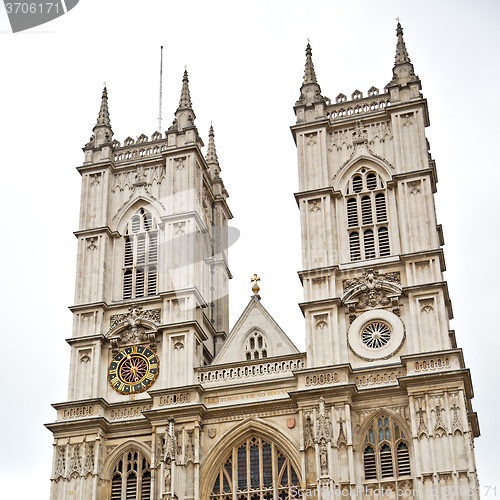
x=385, y=453
x=140, y=266
x=366, y=209
x=258, y=469
x=256, y=346
x=131, y=477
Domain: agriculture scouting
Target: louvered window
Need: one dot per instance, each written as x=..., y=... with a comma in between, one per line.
x=352, y=212
x=370, y=463
x=357, y=184
x=403, y=457
x=140, y=273
x=380, y=207
x=383, y=241
x=354, y=247
x=131, y=479
x=386, y=453
x=371, y=181
x=369, y=244
x=366, y=209
x=386, y=461
x=255, y=469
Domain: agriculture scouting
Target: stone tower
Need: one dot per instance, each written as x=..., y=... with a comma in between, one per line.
x=376, y=305
x=165, y=403
x=151, y=285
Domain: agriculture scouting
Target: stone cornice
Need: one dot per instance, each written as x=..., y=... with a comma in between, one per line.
x=96, y=231
x=308, y=126
x=431, y=171
x=314, y=193
x=403, y=106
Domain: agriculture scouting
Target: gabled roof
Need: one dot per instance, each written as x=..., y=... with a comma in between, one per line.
x=254, y=318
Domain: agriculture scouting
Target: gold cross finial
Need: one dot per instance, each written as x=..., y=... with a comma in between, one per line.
x=255, y=288
x=397, y=19
x=308, y=40
x=104, y=83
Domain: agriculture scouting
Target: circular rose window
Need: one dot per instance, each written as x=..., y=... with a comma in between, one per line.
x=376, y=335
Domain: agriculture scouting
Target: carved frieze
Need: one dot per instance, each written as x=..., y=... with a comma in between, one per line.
x=140, y=328
x=135, y=312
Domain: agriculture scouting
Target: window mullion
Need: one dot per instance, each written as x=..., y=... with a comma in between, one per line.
x=274, y=456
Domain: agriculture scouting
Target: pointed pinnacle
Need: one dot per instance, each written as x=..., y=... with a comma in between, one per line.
x=401, y=52
x=309, y=74
x=185, y=102
x=211, y=151
x=103, y=118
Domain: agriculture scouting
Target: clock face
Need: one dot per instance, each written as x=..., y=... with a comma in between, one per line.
x=133, y=370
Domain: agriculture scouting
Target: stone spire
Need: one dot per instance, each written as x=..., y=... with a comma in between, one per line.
x=211, y=151
x=212, y=160
x=403, y=72
x=185, y=115
x=401, y=52
x=185, y=102
x=309, y=73
x=102, y=131
x=310, y=91
x=103, y=118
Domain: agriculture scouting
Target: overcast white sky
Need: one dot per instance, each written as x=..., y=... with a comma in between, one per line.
x=245, y=63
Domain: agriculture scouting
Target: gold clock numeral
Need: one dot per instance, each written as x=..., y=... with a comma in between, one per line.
x=114, y=381
x=112, y=372
x=121, y=387
x=150, y=376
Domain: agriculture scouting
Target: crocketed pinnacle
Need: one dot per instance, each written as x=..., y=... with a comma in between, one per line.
x=309, y=74
x=211, y=151
x=103, y=118
x=401, y=52
x=185, y=102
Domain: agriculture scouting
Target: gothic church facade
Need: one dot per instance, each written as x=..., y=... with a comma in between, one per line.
x=165, y=402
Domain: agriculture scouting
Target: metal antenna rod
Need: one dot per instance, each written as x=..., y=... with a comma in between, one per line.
x=161, y=85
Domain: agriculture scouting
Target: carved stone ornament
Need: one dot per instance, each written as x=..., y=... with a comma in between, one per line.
x=342, y=440
x=91, y=246
x=373, y=290
x=323, y=436
x=134, y=327
x=439, y=427
x=456, y=425
x=212, y=433
x=360, y=133
x=60, y=462
x=308, y=432
x=189, y=449
x=422, y=428
x=75, y=463
x=89, y=459
x=169, y=448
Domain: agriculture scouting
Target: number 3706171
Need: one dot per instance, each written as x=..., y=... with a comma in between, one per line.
x=32, y=8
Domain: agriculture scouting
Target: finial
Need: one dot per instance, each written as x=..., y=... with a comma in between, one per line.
x=255, y=287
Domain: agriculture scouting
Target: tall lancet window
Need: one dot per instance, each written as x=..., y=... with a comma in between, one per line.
x=140, y=266
x=367, y=223
x=131, y=477
x=256, y=470
x=386, y=451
